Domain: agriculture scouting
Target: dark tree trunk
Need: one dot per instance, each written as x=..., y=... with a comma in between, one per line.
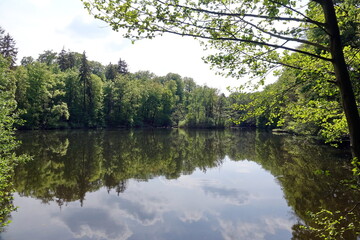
x=342, y=76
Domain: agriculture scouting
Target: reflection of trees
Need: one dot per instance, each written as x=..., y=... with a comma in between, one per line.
x=311, y=178
x=67, y=165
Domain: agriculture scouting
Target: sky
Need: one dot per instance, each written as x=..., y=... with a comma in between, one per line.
x=40, y=25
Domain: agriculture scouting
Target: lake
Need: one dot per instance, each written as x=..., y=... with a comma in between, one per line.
x=176, y=184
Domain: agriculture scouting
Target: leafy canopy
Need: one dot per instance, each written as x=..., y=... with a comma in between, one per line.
x=246, y=33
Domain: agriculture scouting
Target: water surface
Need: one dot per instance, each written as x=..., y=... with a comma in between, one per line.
x=173, y=184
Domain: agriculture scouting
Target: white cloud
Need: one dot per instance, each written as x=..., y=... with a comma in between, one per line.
x=92, y=223
x=40, y=3
x=230, y=195
x=272, y=224
x=243, y=230
x=253, y=231
x=192, y=216
x=39, y=25
x=145, y=210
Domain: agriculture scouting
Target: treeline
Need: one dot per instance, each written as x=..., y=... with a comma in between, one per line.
x=66, y=90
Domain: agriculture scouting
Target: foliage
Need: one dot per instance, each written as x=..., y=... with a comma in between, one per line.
x=299, y=102
x=40, y=95
x=333, y=225
x=66, y=90
x=248, y=39
x=356, y=164
x=7, y=48
x=60, y=99
x=337, y=224
x=8, y=159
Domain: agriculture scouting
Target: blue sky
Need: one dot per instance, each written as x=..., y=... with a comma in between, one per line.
x=39, y=25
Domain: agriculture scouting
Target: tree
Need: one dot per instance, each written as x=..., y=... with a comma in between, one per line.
x=8, y=159
x=111, y=71
x=98, y=69
x=85, y=74
x=63, y=60
x=27, y=60
x=73, y=96
x=48, y=57
x=248, y=36
x=95, y=101
x=122, y=67
x=7, y=48
x=113, y=93
x=40, y=93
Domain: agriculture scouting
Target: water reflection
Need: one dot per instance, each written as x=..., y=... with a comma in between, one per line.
x=175, y=184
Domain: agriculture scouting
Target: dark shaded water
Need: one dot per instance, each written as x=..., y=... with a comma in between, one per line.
x=175, y=184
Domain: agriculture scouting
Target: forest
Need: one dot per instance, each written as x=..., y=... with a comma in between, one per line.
x=66, y=90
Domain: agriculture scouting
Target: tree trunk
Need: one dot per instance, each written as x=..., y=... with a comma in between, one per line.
x=342, y=76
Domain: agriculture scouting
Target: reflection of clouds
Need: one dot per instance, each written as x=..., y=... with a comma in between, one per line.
x=191, y=216
x=277, y=223
x=253, y=231
x=231, y=195
x=243, y=231
x=146, y=211
x=242, y=170
x=94, y=224
x=188, y=182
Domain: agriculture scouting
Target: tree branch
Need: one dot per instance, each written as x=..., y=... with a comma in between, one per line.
x=309, y=20
x=306, y=20
x=287, y=38
x=246, y=41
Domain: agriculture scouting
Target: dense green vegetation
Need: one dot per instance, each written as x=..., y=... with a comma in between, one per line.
x=7, y=143
x=66, y=90
x=295, y=103
x=8, y=118
x=318, y=38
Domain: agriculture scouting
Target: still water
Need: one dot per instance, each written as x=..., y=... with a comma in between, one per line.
x=174, y=184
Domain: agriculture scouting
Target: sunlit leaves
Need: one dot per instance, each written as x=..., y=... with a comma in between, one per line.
x=8, y=160
x=240, y=28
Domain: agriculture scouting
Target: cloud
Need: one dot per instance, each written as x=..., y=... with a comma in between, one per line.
x=40, y=3
x=118, y=45
x=256, y=231
x=94, y=224
x=146, y=211
x=243, y=231
x=39, y=25
x=272, y=224
x=81, y=28
x=230, y=195
x=192, y=216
